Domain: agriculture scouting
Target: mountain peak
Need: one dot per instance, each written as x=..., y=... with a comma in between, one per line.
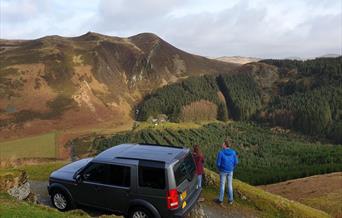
x=90, y=36
x=145, y=37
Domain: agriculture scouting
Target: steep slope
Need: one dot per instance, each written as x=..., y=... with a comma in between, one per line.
x=299, y=95
x=86, y=80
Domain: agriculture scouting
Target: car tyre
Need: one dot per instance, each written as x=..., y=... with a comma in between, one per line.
x=140, y=212
x=61, y=200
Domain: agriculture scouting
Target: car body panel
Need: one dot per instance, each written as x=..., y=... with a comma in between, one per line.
x=68, y=171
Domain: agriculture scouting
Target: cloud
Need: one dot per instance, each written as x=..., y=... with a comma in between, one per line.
x=27, y=19
x=130, y=17
x=21, y=11
x=262, y=28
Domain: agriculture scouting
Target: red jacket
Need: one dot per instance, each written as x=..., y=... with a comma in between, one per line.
x=199, y=161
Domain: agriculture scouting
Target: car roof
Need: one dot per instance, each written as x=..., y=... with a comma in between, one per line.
x=149, y=152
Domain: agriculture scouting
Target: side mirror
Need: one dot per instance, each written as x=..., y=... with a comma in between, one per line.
x=78, y=179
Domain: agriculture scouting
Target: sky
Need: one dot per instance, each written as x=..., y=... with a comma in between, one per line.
x=214, y=28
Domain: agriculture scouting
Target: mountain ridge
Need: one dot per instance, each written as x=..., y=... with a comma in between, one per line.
x=87, y=79
x=238, y=59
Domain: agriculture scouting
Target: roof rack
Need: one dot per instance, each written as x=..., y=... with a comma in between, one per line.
x=170, y=146
x=140, y=159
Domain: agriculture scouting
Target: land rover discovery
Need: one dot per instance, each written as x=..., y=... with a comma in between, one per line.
x=134, y=180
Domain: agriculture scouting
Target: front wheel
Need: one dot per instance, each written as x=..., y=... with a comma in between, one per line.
x=61, y=201
x=140, y=212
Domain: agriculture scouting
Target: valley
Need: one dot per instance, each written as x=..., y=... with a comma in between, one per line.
x=250, y=88
x=66, y=98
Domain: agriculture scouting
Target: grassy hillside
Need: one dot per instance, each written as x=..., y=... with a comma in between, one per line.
x=313, y=191
x=266, y=155
x=41, y=146
x=299, y=95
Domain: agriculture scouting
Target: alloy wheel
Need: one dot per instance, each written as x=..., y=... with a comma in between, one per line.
x=59, y=201
x=139, y=214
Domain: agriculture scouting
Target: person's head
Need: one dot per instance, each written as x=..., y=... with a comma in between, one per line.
x=197, y=149
x=227, y=143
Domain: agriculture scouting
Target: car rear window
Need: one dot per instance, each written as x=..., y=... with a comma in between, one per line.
x=185, y=169
x=152, y=177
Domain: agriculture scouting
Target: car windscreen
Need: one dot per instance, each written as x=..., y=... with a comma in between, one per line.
x=185, y=169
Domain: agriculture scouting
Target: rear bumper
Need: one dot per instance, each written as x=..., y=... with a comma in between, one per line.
x=190, y=204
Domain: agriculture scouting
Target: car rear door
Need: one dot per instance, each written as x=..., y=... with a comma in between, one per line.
x=152, y=180
x=118, y=188
x=185, y=179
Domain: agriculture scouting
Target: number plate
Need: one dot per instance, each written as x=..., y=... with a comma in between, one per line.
x=183, y=195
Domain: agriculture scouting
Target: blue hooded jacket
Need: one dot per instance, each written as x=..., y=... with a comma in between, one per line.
x=226, y=160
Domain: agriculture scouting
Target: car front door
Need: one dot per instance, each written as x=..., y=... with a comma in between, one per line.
x=91, y=190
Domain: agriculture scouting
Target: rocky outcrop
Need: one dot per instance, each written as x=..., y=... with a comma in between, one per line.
x=20, y=192
x=17, y=185
x=197, y=212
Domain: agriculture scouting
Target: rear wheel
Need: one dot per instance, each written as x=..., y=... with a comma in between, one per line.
x=61, y=201
x=140, y=212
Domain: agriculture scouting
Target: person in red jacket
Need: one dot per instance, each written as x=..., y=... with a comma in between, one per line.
x=199, y=160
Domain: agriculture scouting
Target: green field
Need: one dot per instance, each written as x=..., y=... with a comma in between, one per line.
x=41, y=146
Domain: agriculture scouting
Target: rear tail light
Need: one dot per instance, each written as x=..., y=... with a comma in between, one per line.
x=172, y=199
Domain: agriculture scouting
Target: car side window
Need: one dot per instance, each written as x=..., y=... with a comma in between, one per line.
x=108, y=174
x=96, y=172
x=151, y=177
x=120, y=175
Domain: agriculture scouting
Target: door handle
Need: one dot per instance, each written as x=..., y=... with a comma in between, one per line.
x=98, y=188
x=128, y=192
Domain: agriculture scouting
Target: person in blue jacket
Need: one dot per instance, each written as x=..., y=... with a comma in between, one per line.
x=226, y=163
